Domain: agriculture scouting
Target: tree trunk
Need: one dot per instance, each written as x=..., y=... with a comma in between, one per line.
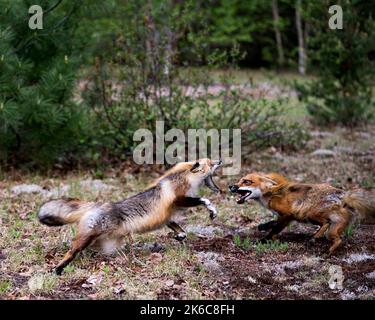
x=276, y=25
x=302, y=57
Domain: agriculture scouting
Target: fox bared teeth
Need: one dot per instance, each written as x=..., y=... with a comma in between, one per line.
x=242, y=198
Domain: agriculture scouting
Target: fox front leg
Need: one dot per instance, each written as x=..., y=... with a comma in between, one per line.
x=210, y=207
x=193, y=202
x=267, y=226
x=180, y=233
x=280, y=224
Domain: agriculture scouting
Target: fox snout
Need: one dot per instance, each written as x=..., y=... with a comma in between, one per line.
x=233, y=188
x=241, y=190
x=244, y=192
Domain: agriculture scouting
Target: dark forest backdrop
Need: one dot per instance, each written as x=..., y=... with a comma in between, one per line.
x=77, y=90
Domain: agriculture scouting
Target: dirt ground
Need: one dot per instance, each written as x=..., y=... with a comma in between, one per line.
x=218, y=260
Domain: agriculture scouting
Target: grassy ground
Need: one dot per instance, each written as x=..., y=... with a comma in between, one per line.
x=218, y=259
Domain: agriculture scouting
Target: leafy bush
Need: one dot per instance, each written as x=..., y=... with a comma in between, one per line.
x=343, y=92
x=141, y=82
x=38, y=118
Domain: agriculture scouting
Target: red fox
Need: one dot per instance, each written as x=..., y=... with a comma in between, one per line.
x=321, y=204
x=106, y=224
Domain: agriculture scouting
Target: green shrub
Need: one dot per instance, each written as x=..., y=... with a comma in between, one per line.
x=135, y=86
x=38, y=118
x=343, y=92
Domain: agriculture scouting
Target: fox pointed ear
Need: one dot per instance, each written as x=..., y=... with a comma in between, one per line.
x=195, y=167
x=269, y=181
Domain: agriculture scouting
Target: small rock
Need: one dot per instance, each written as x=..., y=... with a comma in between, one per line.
x=210, y=261
x=321, y=134
x=36, y=283
x=336, y=277
x=359, y=257
x=119, y=290
x=208, y=231
x=323, y=153
x=291, y=264
x=153, y=247
x=93, y=281
x=294, y=287
x=95, y=185
x=27, y=188
x=169, y=283
x=251, y=279
x=347, y=295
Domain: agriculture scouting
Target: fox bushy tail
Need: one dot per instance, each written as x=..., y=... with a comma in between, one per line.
x=362, y=201
x=63, y=211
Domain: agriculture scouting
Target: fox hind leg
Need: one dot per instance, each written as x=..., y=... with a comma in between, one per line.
x=338, y=224
x=334, y=235
x=318, y=234
x=79, y=243
x=279, y=226
x=322, y=230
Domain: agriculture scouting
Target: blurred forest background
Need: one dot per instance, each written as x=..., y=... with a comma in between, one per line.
x=74, y=92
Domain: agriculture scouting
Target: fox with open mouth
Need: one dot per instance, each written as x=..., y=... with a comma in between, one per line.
x=321, y=204
x=106, y=224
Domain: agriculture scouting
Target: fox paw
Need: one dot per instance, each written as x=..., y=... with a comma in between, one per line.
x=266, y=226
x=210, y=207
x=213, y=214
x=180, y=236
x=58, y=270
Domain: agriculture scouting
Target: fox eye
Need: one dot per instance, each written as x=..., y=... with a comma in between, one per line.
x=195, y=167
x=247, y=182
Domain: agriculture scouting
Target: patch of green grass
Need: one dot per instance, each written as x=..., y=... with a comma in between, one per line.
x=174, y=261
x=243, y=244
x=15, y=233
x=26, y=256
x=237, y=240
x=69, y=268
x=5, y=286
x=106, y=269
x=271, y=245
x=368, y=183
x=350, y=230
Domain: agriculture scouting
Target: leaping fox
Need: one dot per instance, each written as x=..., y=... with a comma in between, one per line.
x=106, y=224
